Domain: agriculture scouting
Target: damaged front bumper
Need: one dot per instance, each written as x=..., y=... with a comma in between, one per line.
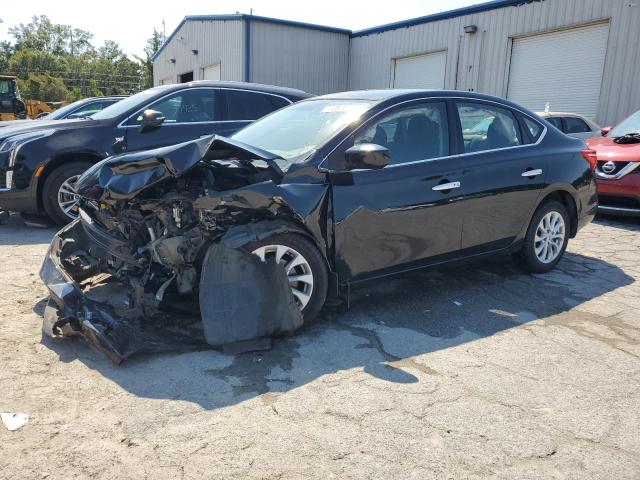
x=72, y=310
x=241, y=299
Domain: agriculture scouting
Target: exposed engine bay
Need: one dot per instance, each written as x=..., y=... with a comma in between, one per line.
x=155, y=231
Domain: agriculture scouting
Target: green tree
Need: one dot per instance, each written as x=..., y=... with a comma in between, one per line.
x=67, y=53
x=44, y=87
x=153, y=45
x=43, y=35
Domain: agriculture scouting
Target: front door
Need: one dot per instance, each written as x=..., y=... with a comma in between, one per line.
x=400, y=216
x=189, y=114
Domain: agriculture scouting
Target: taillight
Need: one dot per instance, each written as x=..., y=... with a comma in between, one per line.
x=590, y=156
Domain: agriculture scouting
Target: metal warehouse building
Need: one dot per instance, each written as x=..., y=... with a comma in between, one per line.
x=577, y=55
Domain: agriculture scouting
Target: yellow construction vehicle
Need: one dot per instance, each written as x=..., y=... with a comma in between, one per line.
x=11, y=104
x=13, y=107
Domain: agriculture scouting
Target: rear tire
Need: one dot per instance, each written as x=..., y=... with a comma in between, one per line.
x=57, y=194
x=310, y=262
x=546, y=239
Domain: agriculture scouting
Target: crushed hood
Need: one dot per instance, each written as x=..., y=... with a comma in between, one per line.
x=125, y=176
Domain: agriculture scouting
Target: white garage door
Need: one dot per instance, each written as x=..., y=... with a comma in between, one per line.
x=212, y=72
x=420, y=71
x=563, y=69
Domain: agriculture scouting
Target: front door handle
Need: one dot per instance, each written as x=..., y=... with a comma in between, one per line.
x=446, y=186
x=532, y=173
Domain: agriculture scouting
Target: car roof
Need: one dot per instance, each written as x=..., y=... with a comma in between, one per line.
x=559, y=114
x=258, y=87
x=106, y=97
x=395, y=95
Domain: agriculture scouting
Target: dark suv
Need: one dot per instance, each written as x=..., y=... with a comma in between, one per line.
x=39, y=164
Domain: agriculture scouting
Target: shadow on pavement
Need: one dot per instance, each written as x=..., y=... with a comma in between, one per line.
x=389, y=322
x=15, y=232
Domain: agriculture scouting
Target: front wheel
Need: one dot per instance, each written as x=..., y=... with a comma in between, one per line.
x=546, y=239
x=59, y=195
x=305, y=268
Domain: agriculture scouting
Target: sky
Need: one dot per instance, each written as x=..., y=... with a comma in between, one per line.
x=131, y=22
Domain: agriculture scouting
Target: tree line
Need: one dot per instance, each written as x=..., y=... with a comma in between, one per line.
x=55, y=62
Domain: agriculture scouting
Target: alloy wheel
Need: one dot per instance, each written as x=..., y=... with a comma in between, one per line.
x=297, y=268
x=68, y=197
x=550, y=237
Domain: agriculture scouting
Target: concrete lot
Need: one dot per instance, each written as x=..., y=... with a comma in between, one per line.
x=524, y=377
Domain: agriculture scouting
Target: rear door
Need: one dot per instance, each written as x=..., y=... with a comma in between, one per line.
x=503, y=175
x=406, y=213
x=189, y=114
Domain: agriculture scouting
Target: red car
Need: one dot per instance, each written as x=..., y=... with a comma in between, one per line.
x=618, y=167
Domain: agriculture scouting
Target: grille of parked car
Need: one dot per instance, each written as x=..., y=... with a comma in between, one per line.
x=618, y=201
x=617, y=166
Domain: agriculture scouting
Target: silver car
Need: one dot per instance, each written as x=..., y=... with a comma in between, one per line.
x=572, y=124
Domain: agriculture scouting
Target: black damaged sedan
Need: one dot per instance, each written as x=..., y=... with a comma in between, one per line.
x=251, y=234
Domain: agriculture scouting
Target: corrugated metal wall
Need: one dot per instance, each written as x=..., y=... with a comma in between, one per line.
x=312, y=60
x=480, y=62
x=216, y=41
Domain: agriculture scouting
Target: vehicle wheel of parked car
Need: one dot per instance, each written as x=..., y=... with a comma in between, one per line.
x=305, y=268
x=59, y=196
x=546, y=239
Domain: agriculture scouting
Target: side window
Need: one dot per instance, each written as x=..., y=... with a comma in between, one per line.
x=535, y=129
x=575, y=125
x=416, y=132
x=91, y=108
x=186, y=106
x=485, y=127
x=242, y=105
x=555, y=121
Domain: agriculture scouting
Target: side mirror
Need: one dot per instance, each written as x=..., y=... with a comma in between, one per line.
x=150, y=120
x=605, y=130
x=368, y=156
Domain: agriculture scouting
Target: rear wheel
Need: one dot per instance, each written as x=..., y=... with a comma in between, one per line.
x=546, y=239
x=59, y=195
x=304, y=266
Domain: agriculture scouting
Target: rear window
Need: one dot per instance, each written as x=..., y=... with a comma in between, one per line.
x=575, y=125
x=242, y=105
x=555, y=121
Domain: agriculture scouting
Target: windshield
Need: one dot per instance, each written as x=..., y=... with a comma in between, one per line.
x=295, y=131
x=629, y=125
x=61, y=112
x=5, y=88
x=127, y=104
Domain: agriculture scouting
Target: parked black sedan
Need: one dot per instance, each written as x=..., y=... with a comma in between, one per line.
x=336, y=189
x=41, y=161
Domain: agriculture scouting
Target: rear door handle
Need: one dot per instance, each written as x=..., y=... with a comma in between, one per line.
x=446, y=186
x=532, y=173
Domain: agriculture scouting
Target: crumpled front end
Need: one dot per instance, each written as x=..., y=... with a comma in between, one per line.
x=155, y=261
x=85, y=302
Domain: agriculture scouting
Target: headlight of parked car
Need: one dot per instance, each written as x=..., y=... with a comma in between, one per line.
x=13, y=144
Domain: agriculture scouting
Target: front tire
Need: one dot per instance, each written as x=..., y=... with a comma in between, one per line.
x=306, y=269
x=546, y=239
x=58, y=195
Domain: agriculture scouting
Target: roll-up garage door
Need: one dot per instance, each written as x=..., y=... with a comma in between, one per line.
x=212, y=72
x=420, y=71
x=562, y=68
